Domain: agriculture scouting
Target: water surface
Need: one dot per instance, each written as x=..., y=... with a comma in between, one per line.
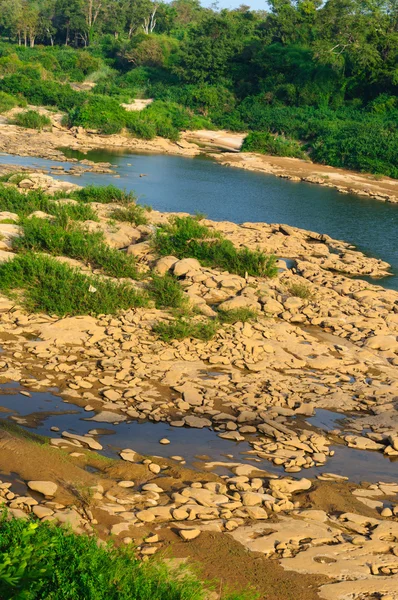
x=173, y=183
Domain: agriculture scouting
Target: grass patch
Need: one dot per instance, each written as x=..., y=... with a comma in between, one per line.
x=66, y=238
x=42, y=560
x=103, y=194
x=12, y=200
x=186, y=237
x=167, y=292
x=133, y=214
x=242, y=315
x=55, y=288
x=31, y=119
x=181, y=328
x=301, y=291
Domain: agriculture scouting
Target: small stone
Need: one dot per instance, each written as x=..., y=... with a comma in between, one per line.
x=189, y=534
x=154, y=468
x=164, y=441
x=386, y=512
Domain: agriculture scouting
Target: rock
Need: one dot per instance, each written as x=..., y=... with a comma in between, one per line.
x=128, y=455
x=197, y=422
x=189, y=534
x=126, y=484
x=240, y=302
x=145, y=516
x=152, y=539
x=83, y=439
x=289, y=486
x=42, y=511
x=164, y=441
x=47, y=488
x=165, y=264
x=154, y=468
x=184, y=266
x=180, y=514
x=6, y=256
x=193, y=397
x=106, y=416
x=386, y=512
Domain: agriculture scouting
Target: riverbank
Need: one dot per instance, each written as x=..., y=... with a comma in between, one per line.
x=46, y=144
x=319, y=340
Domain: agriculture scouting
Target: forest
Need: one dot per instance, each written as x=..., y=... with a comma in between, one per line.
x=305, y=78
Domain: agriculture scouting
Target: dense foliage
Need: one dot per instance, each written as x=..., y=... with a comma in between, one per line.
x=307, y=78
x=42, y=561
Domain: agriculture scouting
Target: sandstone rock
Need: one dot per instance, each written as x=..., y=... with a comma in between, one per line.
x=184, y=266
x=197, y=422
x=189, y=534
x=240, y=302
x=47, y=488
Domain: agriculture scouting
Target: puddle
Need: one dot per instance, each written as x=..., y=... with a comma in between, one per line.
x=43, y=410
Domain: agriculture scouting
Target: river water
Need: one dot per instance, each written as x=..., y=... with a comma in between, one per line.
x=173, y=183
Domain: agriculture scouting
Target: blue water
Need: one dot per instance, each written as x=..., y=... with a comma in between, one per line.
x=173, y=183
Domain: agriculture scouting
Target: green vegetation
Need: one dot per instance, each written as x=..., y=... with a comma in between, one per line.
x=43, y=284
x=7, y=102
x=182, y=328
x=32, y=120
x=187, y=237
x=11, y=200
x=240, y=314
x=301, y=290
x=133, y=214
x=42, y=561
x=315, y=79
x=167, y=292
x=266, y=143
x=103, y=194
x=66, y=238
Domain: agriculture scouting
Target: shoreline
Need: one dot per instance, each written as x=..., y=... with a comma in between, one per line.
x=18, y=141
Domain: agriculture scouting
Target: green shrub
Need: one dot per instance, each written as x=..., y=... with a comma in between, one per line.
x=167, y=292
x=12, y=200
x=240, y=314
x=62, y=238
x=186, y=237
x=55, y=288
x=103, y=194
x=300, y=290
x=275, y=145
x=32, y=120
x=99, y=112
x=133, y=213
x=181, y=328
x=41, y=560
x=7, y=102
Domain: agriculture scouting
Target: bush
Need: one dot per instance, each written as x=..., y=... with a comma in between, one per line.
x=32, y=120
x=167, y=292
x=68, y=239
x=180, y=329
x=240, y=314
x=301, y=290
x=104, y=194
x=11, y=200
x=55, y=288
x=186, y=237
x=42, y=560
x=7, y=102
x=134, y=214
x=267, y=143
x=98, y=112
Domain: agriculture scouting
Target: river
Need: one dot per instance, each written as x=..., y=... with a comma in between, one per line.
x=173, y=183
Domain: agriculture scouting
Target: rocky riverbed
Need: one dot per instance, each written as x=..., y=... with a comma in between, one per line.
x=322, y=339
